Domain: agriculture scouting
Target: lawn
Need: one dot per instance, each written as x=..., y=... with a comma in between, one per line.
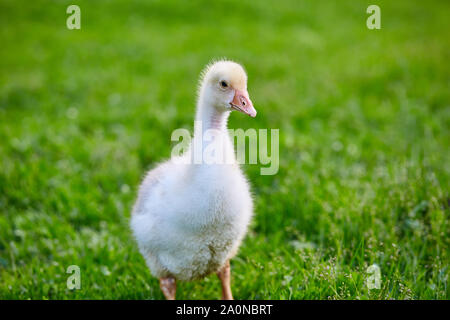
x=364, y=120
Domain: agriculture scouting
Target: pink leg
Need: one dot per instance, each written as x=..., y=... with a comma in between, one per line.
x=224, y=275
x=168, y=286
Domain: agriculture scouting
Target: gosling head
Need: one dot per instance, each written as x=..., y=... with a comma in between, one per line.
x=224, y=87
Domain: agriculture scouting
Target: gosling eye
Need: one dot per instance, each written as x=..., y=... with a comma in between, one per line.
x=223, y=84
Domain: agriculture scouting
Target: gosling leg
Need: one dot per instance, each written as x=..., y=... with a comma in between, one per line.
x=224, y=275
x=168, y=287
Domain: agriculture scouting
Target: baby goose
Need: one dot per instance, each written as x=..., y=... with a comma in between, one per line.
x=190, y=218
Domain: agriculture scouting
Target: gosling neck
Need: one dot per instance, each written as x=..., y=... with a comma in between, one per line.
x=210, y=133
x=210, y=118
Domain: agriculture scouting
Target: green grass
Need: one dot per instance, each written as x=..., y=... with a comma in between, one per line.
x=364, y=119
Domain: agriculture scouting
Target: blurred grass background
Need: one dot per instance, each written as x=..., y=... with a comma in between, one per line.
x=364, y=121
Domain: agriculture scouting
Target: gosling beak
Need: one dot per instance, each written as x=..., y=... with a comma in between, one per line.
x=241, y=102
